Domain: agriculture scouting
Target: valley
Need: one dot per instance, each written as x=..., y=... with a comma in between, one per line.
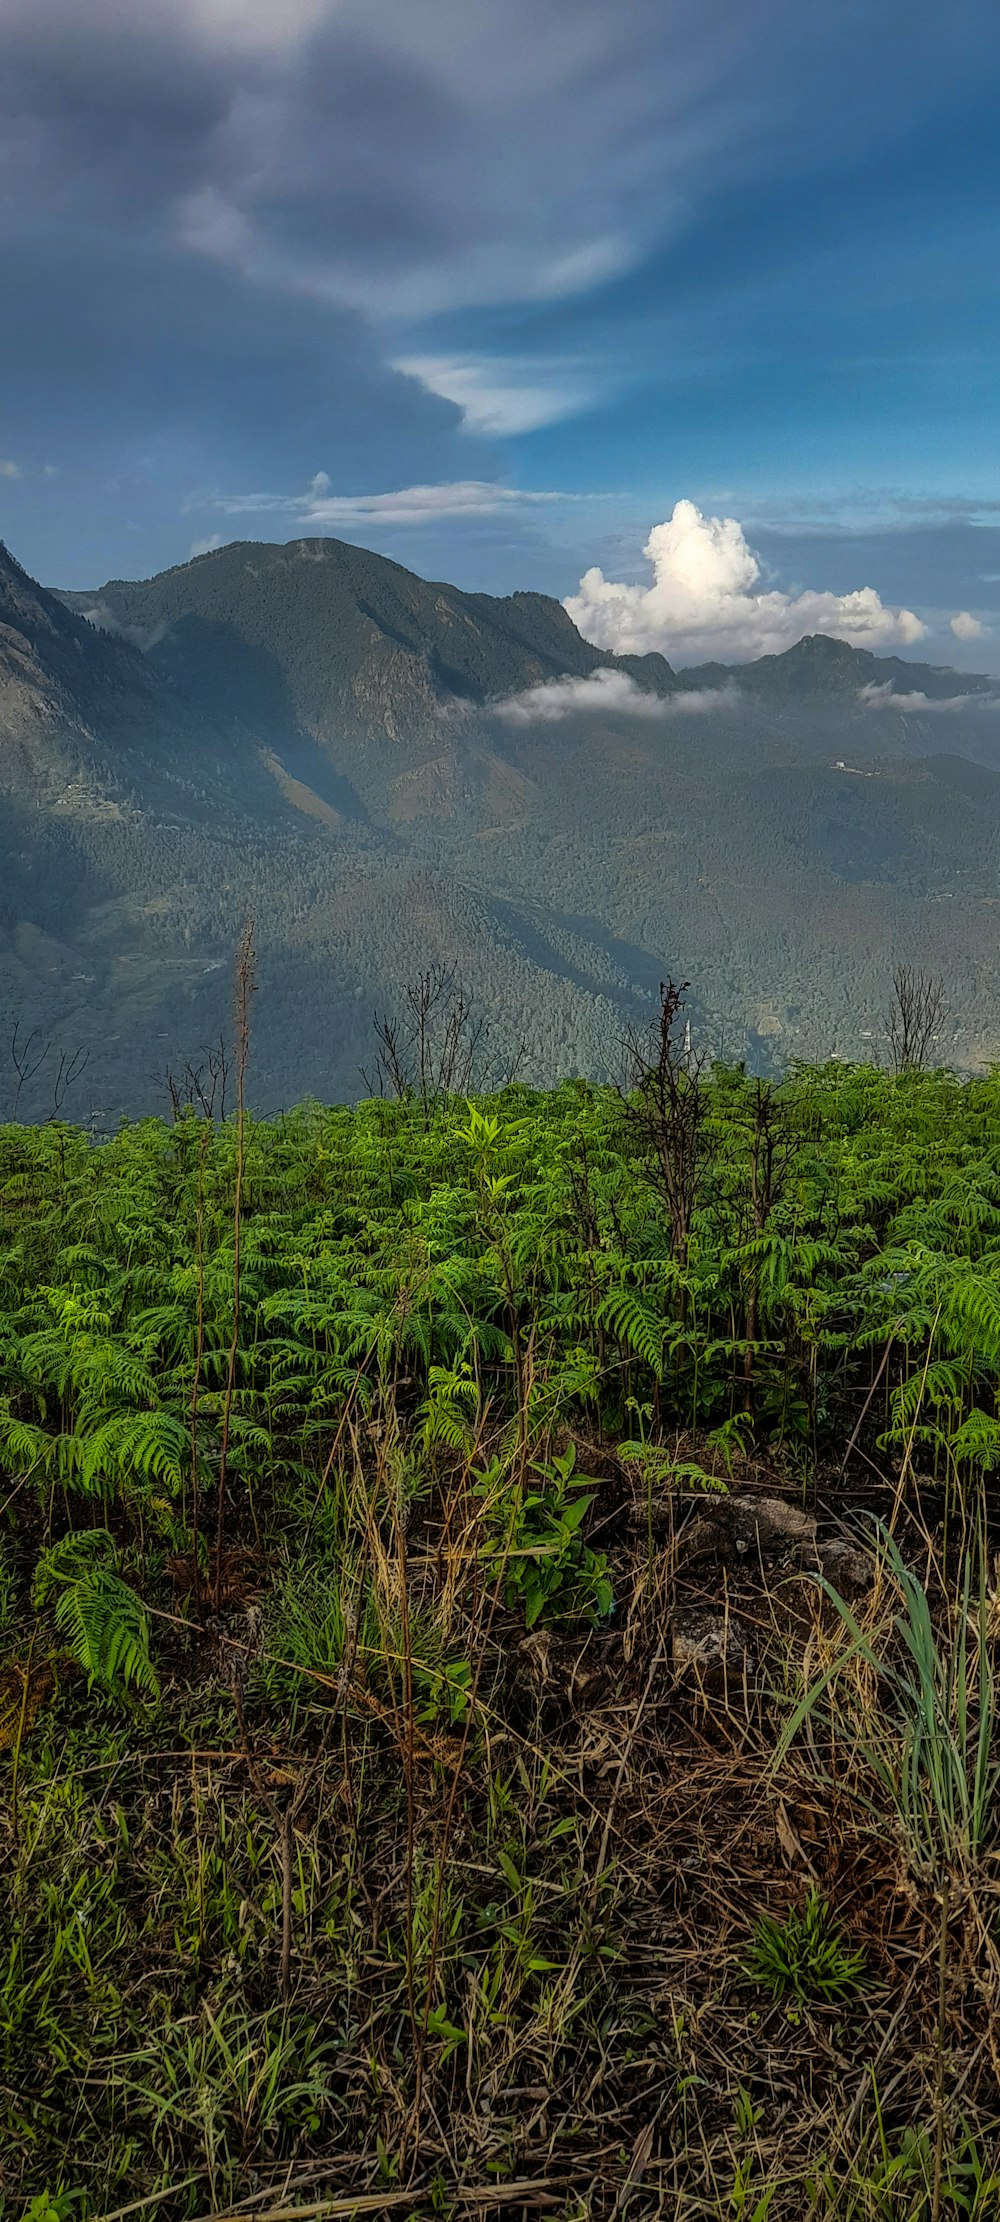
x=389, y=773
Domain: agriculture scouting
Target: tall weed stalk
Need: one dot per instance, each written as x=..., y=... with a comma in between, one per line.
x=246, y=986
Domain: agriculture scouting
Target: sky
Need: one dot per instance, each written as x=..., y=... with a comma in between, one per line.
x=686, y=311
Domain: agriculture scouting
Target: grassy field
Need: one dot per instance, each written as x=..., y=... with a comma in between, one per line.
x=500, y=1614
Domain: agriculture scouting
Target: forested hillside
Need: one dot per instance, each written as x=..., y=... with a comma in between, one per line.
x=391, y=774
x=345, y=640
x=499, y=1606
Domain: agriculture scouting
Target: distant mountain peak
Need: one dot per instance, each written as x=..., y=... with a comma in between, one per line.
x=823, y=648
x=819, y=664
x=339, y=643
x=359, y=646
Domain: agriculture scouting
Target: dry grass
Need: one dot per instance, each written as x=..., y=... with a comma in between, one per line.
x=317, y=1940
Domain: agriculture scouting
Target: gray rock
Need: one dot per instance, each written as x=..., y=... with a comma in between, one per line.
x=769, y=1525
x=848, y=1569
x=710, y=1646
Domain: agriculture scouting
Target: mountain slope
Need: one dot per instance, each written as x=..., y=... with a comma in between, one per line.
x=70, y=699
x=321, y=644
x=89, y=725
x=317, y=735
x=342, y=642
x=819, y=666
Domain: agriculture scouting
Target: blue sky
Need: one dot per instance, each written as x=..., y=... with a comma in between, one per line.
x=493, y=288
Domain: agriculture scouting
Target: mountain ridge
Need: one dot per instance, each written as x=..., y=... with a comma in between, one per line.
x=537, y=624
x=314, y=734
x=340, y=644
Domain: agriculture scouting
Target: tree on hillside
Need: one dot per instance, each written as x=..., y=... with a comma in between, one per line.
x=915, y=1017
x=438, y=1046
x=665, y=1105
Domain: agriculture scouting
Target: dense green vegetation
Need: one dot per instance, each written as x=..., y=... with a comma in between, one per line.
x=431, y=1786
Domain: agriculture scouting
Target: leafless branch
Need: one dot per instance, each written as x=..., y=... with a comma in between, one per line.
x=665, y=1105
x=915, y=1017
x=27, y=1057
x=437, y=1046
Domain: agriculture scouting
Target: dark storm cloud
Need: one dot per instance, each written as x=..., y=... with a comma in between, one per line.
x=197, y=213
x=151, y=370
x=491, y=153
x=151, y=332
x=368, y=125
x=505, y=147
x=179, y=381
x=223, y=221
x=118, y=114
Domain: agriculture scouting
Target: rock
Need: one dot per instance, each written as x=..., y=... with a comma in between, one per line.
x=848, y=1569
x=560, y=1670
x=534, y=1658
x=701, y=1538
x=768, y=1524
x=748, y=1527
x=710, y=1646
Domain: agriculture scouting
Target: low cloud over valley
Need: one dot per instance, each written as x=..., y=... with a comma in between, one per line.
x=610, y=694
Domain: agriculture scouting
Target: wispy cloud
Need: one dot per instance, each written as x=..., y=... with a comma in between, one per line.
x=885, y=698
x=407, y=505
x=503, y=395
x=699, y=701
x=609, y=694
x=263, y=24
x=9, y=469
x=141, y=636
x=866, y=509
x=707, y=600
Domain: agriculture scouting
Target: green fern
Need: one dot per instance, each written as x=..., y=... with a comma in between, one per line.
x=658, y=1466
x=634, y=1323
x=101, y=1620
x=448, y=1412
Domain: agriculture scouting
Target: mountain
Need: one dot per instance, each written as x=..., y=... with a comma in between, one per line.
x=325, y=639
x=72, y=701
x=91, y=726
x=315, y=734
x=832, y=669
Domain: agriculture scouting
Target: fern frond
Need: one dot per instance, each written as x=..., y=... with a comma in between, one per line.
x=634, y=1323
x=102, y=1621
x=150, y=1446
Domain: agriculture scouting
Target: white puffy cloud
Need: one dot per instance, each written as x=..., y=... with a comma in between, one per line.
x=610, y=693
x=966, y=627
x=9, y=469
x=706, y=600
x=884, y=698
